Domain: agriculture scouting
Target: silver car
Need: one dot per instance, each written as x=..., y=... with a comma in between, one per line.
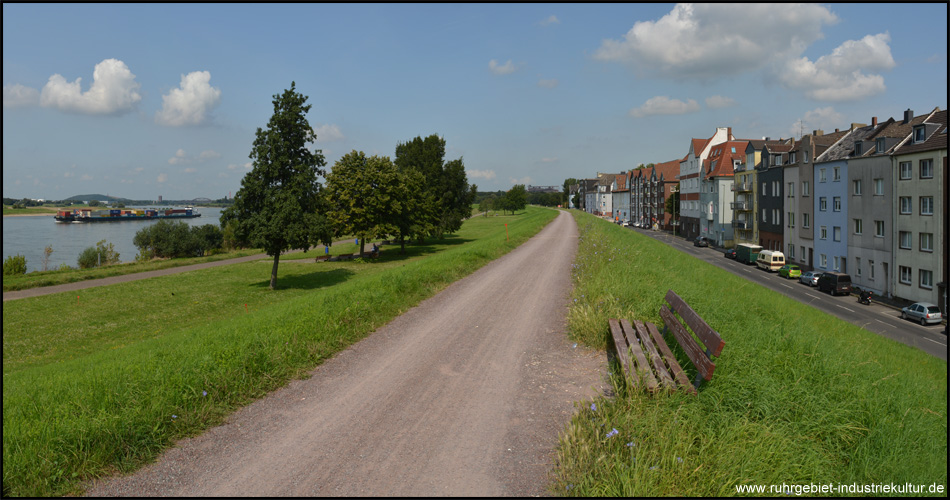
x=809, y=278
x=925, y=312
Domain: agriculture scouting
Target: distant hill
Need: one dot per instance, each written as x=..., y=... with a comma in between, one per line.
x=100, y=197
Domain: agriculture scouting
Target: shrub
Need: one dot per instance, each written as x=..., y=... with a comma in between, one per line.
x=14, y=264
x=207, y=238
x=101, y=254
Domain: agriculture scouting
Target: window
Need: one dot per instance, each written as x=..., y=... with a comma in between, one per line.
x=906, y=170
x=791, y=189
x=837, y=263
x=764, y=219
x=776, y=185
x=837, y=174
x=805, y=222
x=763, y=189
x=821, y=175
x=791, y=219
x=822, y=204
x=805, y=154
x=926, y=242
x=857, y=187
x=927, y=169
x=806, y=189
x=879, y=228
x=905, y=275
x=823, y=259
x=792, y=157
x=733, y=149
x=920, y=134
x=858, y=226
x=858, y=148
x=926, y=279
x=926, y=205
x=837, y=203
x=906, y=205
x=836, y=233
x=803, y=252
x=823, y=234
x=857, y=266
x=905, y=239
x=879, y=187
x=879, y=145
x=871, y=269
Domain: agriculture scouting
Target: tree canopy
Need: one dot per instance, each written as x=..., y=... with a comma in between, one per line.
x=279, y=206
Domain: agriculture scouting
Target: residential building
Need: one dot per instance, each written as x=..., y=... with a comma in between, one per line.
x=716, y=195
x=770, y=203
x=666, y=180
x=746, y=189
x=920, y=175
x=589, y=191
x=620, y=194
x=690, y=172
x=603, y=203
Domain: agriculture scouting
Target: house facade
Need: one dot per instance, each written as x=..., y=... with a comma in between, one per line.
x=667, y=182
x=620, y=194
x=716, y=194
x=770, y=202
x=691, y=210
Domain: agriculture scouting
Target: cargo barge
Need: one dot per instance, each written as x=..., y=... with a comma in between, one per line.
x=84, y=215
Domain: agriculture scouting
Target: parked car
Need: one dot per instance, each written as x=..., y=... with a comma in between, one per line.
x=625, y=223
x=925, y=312
x=835, y=283
x=790, y=271
x=701, y=241
x=809, y=278
x=731, y=253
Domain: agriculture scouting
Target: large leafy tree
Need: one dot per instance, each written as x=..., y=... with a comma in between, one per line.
x=364, y=197
x=567, y=189
x=279, y=205
x=516, y=198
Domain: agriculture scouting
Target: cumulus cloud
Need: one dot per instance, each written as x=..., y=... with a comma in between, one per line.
x=552, y=19
x=841, y=76
x=328, y=133
x=209, y=154
x=181, y=157
x=85, y=177
x=481, y=174
x=663, y=105
x=245, y=166
x=718, y=101
x=718, y=39
x=551, y=83
x=191, y=103
x=162, y=178
x=190, y=170
x=16, y=95
x=113, y=91
x=504, y=69
x=826, y=119
x=524, y=180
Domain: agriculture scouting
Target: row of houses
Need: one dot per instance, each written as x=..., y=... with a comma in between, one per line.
x=869, y=200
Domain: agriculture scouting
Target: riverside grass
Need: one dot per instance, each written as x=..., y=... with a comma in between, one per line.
x=143, y=364
x=799, y=397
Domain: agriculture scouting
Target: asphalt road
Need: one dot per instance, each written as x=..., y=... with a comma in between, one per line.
x=877, y=318
x=462, y=395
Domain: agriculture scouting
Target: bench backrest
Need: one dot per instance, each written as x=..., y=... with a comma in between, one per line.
x=699, y=354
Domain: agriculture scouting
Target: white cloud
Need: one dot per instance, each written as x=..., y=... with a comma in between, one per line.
x=68, y=174
x=190, y=170
x=16, y=95
x=552, y=19
x=181, y=157
x=481, y=174
x=504, y=69
x=718, y=101
x=209, y=154
x=328, y=133
x=826, y=119
x=663, y=105
x=840, y=76
x=524, y=180
x=162, y=178
x=548, y=83
x=127, y=181
x=548, y=160
x=113, y=91
x=246, y=166
x=191, y=102
x=85, y=177
x=718, y=39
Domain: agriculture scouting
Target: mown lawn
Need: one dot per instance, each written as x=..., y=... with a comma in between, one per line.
x=799, y=397
x=106, y=382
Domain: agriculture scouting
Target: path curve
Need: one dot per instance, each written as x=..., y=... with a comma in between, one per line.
x=463, y=394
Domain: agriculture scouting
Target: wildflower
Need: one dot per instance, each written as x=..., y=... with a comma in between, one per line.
x=630, y=444
x=612, y=433
x=174, y=416
x=593, y=407
x=204, y=393
x=653, y=468
x=679, y=459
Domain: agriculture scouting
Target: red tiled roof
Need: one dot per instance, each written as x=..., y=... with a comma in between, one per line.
x=724, y=159
x=669, y=170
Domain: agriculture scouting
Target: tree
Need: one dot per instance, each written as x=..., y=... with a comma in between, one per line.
x=487, y=205
x=673, y=205
x=47, y=252
x=14, y=264
x=567, y=190
x=279, y=205
x=101, y=254
x=516, y=198
x=363, y=197
x=93, y=203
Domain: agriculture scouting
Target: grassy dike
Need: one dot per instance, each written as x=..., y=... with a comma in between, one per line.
x=799, y=397
x=106, y=382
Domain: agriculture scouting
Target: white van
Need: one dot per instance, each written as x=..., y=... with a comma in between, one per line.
x=770, y=260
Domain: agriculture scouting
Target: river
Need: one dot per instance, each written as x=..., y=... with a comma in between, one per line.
x=28, y=235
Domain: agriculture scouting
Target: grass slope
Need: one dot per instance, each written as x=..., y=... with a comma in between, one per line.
x=799, y=397
x=105, y=383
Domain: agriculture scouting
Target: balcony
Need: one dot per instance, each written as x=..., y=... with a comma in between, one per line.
x=742, y=186
x=740, y=224
x=740, y=205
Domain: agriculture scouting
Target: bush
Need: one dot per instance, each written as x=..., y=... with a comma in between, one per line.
x=207, y=238
x=168, y=239
x=101, y=254
x=14, y=264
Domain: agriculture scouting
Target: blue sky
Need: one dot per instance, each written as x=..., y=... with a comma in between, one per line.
x=143, y=100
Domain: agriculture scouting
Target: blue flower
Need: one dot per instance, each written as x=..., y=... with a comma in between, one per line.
x=204, y=393
x=652, y=468
x=630, y=444
x=174, y=416
x=612, y=433
x=679, y=459
x=593, y=406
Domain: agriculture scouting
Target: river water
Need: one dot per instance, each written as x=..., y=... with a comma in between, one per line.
x=28, y=235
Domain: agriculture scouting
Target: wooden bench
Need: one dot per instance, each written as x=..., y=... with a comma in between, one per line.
x=647, y=359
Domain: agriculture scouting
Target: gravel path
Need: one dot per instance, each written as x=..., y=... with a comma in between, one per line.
x=462, y=395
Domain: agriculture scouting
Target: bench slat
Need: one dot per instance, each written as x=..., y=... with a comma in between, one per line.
x=710, y=338
x=620, y=342
x=681, y=379
x=643, y=367
x=692, y=348
x=658, y=366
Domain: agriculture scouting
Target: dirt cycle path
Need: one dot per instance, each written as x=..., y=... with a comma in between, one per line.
x=462, y=395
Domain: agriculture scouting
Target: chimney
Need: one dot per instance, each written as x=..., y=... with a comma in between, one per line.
x=836, y=131
x=857, y=125
x=908, y=115
x=818, y=132
x=873, y=121
x=729, y=136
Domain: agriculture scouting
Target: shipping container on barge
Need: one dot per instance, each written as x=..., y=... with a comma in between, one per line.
x=83, y=215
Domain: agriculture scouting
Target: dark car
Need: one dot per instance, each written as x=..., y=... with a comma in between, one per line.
x=835, y=283
x=731, y=253
x=701, y=241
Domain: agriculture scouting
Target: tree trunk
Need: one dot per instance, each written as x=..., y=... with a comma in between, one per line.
x=273, y=273
x=402, y=244
x=362, y=245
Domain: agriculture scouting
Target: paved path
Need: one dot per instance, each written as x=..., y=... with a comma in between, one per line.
x=462, y=395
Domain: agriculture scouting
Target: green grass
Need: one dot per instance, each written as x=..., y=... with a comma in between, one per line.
x=105, y=383
x=798, y=396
